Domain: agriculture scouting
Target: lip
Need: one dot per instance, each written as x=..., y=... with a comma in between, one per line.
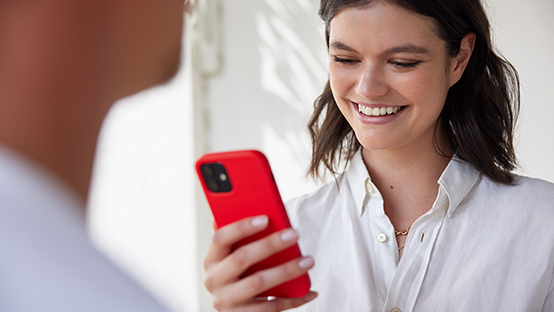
x=377, y=120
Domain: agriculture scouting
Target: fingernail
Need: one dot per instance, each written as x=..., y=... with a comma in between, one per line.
x=310, y=296
x=259, y=221
x=306, y=263
x=289, y=235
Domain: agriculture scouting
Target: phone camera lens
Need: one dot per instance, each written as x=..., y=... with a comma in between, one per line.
x=213, y=186
x=208, y=171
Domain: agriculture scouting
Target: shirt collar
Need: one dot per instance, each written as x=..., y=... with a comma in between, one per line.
x=457, y=180
x=360, y=183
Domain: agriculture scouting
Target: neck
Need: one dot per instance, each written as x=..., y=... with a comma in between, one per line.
x=407, y=179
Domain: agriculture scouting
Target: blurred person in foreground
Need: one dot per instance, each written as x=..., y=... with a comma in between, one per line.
x=62, y=65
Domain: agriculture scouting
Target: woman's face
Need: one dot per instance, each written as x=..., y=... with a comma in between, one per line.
x=389, y=73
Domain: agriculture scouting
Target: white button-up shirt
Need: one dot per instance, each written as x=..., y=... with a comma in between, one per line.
x=483, y=246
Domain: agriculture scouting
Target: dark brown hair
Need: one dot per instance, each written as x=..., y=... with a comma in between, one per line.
x=481, y=109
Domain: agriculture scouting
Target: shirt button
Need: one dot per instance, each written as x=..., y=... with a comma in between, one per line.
x=368, y=186
x=381, y=237
x=395, y=310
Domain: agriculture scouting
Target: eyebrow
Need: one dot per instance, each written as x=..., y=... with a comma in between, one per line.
x=341, y=46
x=409, y=48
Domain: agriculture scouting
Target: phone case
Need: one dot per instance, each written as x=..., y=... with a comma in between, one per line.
x=252, y=192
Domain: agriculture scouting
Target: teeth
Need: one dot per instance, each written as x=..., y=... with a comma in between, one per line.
x=385, y=110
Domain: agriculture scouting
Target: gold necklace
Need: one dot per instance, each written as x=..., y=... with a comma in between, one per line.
x=402, y=232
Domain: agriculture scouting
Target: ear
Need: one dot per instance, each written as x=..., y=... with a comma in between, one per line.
x=459, y=62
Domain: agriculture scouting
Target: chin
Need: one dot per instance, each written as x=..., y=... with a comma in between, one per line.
x=374, y=144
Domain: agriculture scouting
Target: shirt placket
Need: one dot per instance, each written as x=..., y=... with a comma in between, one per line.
x=410, y=272
x=383, y=239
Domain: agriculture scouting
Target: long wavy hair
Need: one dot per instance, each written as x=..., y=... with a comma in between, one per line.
x=479, y=116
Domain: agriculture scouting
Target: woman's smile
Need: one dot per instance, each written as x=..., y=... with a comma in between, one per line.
x=378, y=110
x=377, y=114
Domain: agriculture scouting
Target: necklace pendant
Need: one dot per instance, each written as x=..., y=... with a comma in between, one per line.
x=402, y=232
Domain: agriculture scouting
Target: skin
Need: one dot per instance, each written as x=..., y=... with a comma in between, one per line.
x=398, y=150
x=65, y=62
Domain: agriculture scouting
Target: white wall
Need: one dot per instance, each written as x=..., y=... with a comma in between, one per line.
x=274, y=67
x=254, y=88
x=525, y=35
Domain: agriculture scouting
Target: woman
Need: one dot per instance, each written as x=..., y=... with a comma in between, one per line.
x=427, y=216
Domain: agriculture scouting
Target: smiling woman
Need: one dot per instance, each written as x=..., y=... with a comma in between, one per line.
x=424, y=111
x=427, y=215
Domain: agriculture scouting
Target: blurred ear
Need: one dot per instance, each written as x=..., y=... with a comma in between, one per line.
x=459, y=62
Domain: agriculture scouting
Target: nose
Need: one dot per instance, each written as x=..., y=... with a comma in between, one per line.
x=372, y=83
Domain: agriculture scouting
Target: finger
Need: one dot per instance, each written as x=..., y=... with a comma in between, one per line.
x=229, y=269
x=261, y=281
x=279, y=304
x=226, y=236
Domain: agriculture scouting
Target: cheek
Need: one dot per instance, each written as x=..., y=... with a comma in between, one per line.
x=333, y=78
x=339, y=89
x=340, y=81
x=429, y=87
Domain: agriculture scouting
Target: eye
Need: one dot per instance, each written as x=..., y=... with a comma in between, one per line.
x=345, y=61
x=405, y=64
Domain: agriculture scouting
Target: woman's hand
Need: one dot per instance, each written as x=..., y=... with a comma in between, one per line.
x=224, y=268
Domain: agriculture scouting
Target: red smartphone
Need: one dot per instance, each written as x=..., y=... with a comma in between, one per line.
x=240, y=184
